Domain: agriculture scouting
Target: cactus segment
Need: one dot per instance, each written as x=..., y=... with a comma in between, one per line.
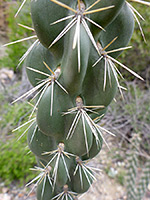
x=99, y=86
x=76, y=61
x=110, y=71
x=51, y=81
x=43, y=23
x=60, y=162
x=111, y=62
x=82, y=114
x=83, y=120
x=43, y=14
x=35, y=61
x=82, y=177
x=47, y=122
x=122, y=28
x=80, y=141
x=40, y=143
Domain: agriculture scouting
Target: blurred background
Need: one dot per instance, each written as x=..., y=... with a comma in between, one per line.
x=126, y=166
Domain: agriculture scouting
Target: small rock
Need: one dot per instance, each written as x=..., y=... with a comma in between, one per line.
x=5, y=190
x=6, y=75
x=5, y=197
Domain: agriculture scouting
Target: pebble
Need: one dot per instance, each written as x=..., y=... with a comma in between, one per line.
x=6, y=75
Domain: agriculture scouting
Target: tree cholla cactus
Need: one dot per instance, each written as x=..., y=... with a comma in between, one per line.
x=73, y=68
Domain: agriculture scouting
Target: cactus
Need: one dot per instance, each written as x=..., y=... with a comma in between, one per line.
x=136, y=182
x=73, y=69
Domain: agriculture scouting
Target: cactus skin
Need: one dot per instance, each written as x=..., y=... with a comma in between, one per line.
x=62, y=70
x=35, y=59
x=94, y=150
x=80, y=180
x=43, y=13
x=73, y=144
x=106, y=17
x=76, y=185
x=122, y=28
x=40, y=143
x=46, y=122
x=48, y=193
x=72, y=78
x=94, y=93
